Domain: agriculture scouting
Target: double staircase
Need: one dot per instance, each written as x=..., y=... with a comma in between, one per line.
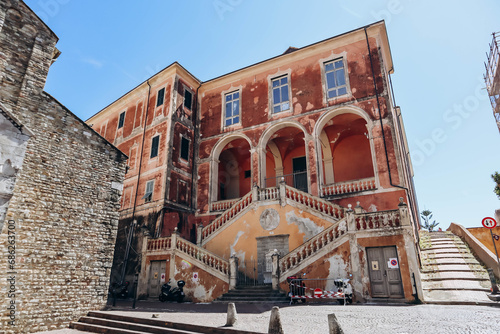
x=450, y=272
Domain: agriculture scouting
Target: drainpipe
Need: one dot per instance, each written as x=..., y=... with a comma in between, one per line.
x=383, y=135
x=195, y=136
x=134, y=222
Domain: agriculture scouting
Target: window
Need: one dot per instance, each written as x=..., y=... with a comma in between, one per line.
x=154, y=147
x=160, y=97
x=121, y=121
x=148, y=195
x=188, y=99
x=248, y=174
x=281, y=100
x=184, y=148
x=335, y=78
x=232, y=114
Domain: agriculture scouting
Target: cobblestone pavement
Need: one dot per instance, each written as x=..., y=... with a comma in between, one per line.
x=312, y=318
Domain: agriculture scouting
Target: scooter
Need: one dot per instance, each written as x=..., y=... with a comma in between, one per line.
x=119, y=291
x=169, y=293
x=344, y=286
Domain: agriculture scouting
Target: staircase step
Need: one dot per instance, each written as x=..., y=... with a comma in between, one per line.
x=100, y=329
x=155, y=325
x=447, y=267
x=448, y=255
x=129, y=326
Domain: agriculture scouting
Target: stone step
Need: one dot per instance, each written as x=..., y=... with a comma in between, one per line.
x=448, y=255
x=104, y=322
x=464, y=296
x=442, y=250
x=455, y=275
x=456, y=285
x=445, y=267
x=113, y=326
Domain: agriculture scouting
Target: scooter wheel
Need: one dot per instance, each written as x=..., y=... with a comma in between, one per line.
x=163, y=298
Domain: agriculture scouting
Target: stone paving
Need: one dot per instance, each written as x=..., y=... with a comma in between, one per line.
x=312, y=318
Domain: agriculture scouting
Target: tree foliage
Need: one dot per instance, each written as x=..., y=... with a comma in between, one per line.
x=427, y=216
x=496, y=178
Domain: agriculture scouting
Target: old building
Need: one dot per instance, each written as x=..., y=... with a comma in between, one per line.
x=492, y=76
x=59, y=216
x=303, y=155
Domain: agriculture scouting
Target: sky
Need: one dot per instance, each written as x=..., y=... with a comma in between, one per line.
x=438, y=49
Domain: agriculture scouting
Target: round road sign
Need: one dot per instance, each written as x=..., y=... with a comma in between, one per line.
x=318, y=292
x=489, y=222
x=394, y=262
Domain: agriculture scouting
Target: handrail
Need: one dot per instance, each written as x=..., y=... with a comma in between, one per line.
x=206, y=257
x=227, y=215
x=315, y=203
x=223, y=205
x=312, y=246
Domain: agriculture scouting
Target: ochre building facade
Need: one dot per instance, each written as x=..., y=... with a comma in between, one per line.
x=302, y=156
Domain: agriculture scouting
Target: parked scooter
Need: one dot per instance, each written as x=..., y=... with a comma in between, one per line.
x=119, y=291
x=344, y=286
x=169, y=293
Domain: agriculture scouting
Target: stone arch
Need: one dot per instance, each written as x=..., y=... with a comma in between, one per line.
x=325, y=156
x=266, y=141
x=215, y=156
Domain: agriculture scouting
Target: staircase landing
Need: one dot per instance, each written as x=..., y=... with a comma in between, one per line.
x=450, y=272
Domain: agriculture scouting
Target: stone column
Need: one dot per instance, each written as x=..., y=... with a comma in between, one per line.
x=255, y=193
x=173, y=248
x=233, y=272
x=356, y=268
x=142, y=287
x=276, y=270
x=403, y=212
x=328, y=170
x=282, y=189
x=199, y=234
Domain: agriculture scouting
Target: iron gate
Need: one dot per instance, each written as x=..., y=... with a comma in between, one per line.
x=252, y=272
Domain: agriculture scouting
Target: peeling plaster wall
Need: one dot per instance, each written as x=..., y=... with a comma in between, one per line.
x=240, y=236
x=484, y=236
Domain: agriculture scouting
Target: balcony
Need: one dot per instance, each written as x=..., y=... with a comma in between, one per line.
x=348, y=187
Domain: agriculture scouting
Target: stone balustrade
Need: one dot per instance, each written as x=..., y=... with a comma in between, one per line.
x=376, y=220
x=181, y=245
x=268, y=194
x=227, y=215
x=223, y=205
x=312, y=246
x=315, y=203
x=349, y=187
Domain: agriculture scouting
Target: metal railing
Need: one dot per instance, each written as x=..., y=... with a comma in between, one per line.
x=297, y=180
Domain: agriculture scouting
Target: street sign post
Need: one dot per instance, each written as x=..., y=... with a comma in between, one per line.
x=491, y=223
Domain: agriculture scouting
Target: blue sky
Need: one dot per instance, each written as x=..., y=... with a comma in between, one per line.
x=438, y=48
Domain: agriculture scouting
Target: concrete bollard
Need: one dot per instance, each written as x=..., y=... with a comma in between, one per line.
x=232, y=316
x=275, y=322
x=334, y=325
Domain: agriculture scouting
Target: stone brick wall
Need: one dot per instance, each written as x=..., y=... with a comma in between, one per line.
x=58, y=238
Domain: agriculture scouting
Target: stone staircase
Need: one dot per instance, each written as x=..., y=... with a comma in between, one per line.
x=253, y=294
x=450, y=272
x=103, y=322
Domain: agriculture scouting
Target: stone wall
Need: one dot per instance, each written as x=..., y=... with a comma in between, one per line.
x=13, y=141
x=60, y=228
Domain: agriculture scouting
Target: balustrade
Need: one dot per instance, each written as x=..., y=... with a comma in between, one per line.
x=312, y=246
x=349, y=187
x=325, y=207
x=376, y=220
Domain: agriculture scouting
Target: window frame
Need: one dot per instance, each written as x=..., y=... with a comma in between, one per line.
x=224, y=106
x=272, y=103
x=121, y=120
x=157, y=147
x=158, y=97
x=336, y=88
x=183, y=137
x=186, y=90
x=148, y=196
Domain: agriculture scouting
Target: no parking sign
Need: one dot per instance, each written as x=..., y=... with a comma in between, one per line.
x=393, y=263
